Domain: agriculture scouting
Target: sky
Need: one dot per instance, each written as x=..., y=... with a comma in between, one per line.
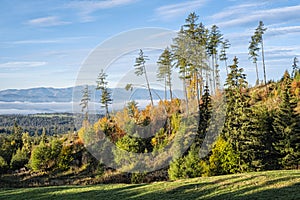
x=45, y=43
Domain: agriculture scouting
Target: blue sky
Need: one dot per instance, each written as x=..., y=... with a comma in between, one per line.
x=44, y=43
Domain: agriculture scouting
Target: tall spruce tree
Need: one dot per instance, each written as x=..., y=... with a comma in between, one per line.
x=85, y=102
x=295, y=67
x=105, y=99
x=258, y=38
x=223, y=53
x=140, y=69
x=180, y=60
x=165, y=70
x=205, y=110
x=238, y=127
x=286, y=127
x=215, y=38
x=253, y=49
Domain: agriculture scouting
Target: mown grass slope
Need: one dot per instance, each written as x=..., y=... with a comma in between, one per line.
x=258, y=185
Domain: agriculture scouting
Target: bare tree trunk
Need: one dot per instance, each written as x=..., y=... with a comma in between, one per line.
x=263, y=61
x=257, y=77
x=170, y=88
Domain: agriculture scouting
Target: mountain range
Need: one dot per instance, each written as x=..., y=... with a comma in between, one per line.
x=45, y=100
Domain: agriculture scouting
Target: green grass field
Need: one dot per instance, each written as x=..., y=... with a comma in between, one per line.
x=258, y=185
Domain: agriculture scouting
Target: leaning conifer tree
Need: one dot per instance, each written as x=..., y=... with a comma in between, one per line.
x=140, y=69
x=105, y=99
x=258, y=39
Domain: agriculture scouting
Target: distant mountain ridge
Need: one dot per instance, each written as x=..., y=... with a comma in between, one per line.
x=43, y=95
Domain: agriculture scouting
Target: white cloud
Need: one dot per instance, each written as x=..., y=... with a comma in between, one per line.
x=86, y=8
x=47, y=21
x=233, y=11
x=49, y=41
x=283, y=30
x=171, y=11
x=21, y=65
x=247, y=13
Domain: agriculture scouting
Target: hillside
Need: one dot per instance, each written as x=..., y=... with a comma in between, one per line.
x=256, y=185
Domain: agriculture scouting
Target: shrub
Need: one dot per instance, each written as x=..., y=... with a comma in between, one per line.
x=3, y=165
x=40, y=157
x=65, y=157
x=19, y=159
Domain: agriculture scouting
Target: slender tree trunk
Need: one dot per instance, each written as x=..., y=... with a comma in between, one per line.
x=186, y=93
x=263, y=61
x=217, y=75
x=198, y=93
x=148, y=86
x=213, y=71
x=165, y=88
x=225, y=61
x=264, y=66
x=257, y=77
x=106, y=109
x=170, y=87
x=201, y=82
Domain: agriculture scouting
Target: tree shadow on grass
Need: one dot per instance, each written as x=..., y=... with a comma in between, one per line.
x=220, y=188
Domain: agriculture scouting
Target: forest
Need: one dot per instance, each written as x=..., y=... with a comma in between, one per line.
x=260, y=129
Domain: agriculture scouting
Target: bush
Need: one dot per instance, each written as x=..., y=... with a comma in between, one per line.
x=19, y=159
x=137, y=178
x=3, y=165
x=40, y=157
x=189, y=166
x=65, y=157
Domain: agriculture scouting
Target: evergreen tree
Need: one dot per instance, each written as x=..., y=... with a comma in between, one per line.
x=85, y=102
x=238, y=127
x=223, y=54
x=140, y=69
x=286, y=128
x=180, y=58
x=105, y=94
x=253, y=49
x=165, y=70
x=258, y=38
x=296, y=69
x=204, y=116
x=266, y=156
x=215, y=38
x=202, y=39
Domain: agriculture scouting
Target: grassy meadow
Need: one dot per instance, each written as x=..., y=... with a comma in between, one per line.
x=255, y=185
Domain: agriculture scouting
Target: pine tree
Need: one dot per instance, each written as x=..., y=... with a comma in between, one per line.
x=223, y=54
x=205, y=109
x=105, y=94
x=296, y=69
x=85, y=102
x=253, y=49
x=180, y=59
x=215, y=38
x=258, y=38
x=286, y=128
x=165, y=70
x=266, y=156
x=202, y=39
x=140, y=69
x=238, y=127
